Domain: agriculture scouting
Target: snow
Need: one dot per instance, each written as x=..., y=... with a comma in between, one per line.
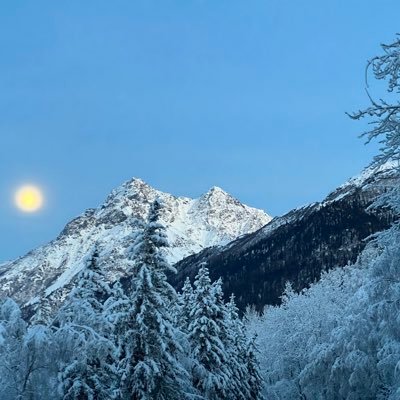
x=213, y=219
x=64, y=278
x=4, y=265
x=369, y=172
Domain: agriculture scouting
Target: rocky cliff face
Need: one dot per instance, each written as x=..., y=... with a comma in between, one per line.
x=214, y=219
x=298, y=246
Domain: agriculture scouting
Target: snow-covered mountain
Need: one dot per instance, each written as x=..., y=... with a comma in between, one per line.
x=214, y=219
x=297, y=246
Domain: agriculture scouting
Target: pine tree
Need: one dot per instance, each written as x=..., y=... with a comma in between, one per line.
x=92, y=291
x=237, y=347
x=90, y=373
x=254, y=378
x=210, y=370
x=43, y=313
x=150, y=368
x=185, y=306
x=115, y=310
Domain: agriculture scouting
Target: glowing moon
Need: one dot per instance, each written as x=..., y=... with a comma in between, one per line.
x=29, y=199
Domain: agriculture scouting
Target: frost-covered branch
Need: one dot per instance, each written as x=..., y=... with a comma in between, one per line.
x=385, y=114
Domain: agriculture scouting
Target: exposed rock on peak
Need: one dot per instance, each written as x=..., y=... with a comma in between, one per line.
x=214, y=219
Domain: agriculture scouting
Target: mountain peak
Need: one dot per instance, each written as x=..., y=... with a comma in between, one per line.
x=131, y=186
x=213, y=219
x=217, y=189
x=216, y=194
x=130, y=197
x=137, y=183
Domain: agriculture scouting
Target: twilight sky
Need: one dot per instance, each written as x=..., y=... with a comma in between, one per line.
x=246, y=95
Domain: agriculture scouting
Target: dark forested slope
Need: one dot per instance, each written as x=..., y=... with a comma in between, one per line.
x=298, y=246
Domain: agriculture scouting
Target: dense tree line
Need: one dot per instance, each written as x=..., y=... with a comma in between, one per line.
x=144, y=342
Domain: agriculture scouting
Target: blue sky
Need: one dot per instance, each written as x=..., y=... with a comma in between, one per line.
x=247, y=95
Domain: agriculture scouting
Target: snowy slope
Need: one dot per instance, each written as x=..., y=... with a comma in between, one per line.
x=214, y=219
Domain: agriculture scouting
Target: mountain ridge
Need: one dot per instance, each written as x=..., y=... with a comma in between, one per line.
x=299, y=245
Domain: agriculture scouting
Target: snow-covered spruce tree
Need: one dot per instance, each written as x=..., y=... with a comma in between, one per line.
x=88, y=372
x=115, y=310
x=207, y=332
x=254, y=377
x=237, y=386
x=184, y=306
x=150, y=367
x=182, y=318
x=234, y=339
x=89, y=296
x=43, y=313
x=89, y=375
x=247, y=383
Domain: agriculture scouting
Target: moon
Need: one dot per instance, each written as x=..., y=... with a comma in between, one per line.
x=29, y=198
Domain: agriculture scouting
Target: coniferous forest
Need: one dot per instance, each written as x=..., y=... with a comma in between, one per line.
x=146, y=342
